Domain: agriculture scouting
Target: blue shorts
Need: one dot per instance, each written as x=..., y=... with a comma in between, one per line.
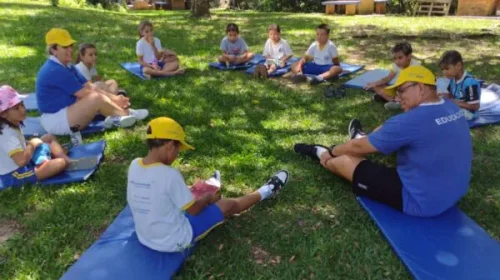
x=311, y=68
x=21, y=176
x=160, y=64
x=205, y=221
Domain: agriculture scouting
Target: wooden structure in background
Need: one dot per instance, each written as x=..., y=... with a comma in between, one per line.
x=433, y=7
x=380, y=6
x=350, y=6
x=477, y=7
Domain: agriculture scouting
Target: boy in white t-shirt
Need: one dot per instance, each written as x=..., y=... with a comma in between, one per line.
x=277, y=52
x=155, y=61
x=321, y=60
x=402, y=54
x=24, y=162
x=167, y=217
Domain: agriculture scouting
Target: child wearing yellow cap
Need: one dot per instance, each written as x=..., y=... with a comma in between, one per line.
x=167, y=217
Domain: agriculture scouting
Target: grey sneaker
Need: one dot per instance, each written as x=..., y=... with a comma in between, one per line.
x=125, y=121
x=392, y=105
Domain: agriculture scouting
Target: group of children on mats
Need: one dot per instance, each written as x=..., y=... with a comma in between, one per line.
x=167, y=216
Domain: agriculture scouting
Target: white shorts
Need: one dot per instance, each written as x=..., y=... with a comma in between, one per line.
x=56, y=123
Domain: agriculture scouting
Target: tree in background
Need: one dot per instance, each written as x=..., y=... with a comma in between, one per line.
x=200, y=8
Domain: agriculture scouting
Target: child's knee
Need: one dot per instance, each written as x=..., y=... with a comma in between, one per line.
x=250, y=55
x=48, y=138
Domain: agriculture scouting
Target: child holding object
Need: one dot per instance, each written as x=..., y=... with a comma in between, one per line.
x=277, y=52
x=86, y=64
x=463, y=89
x=167, y=217
x=234, y=48
x=155, y=61
x=321, y=60
x=25, y=162
x=402, y=55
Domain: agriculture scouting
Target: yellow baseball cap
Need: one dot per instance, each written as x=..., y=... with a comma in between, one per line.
x=59, y=36
x=167, y=128
x=415, y=73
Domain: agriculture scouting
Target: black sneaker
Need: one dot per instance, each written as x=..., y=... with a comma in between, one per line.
x=378, y=98
x=277, y=181
x=315, y=81
x=354, y=128
x=308, y=150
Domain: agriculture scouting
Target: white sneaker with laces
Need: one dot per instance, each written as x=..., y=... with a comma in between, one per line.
x=119, y=121
x=139, y=114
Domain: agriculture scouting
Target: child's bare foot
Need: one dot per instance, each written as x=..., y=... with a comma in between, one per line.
x=179, y=71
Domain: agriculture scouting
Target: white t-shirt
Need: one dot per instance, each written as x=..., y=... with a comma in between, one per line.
x=158, y=195
x=144, y=49
x=86, y=72
x=277, y=51
x=396, y=69
x=13, y=141
x=325, y=55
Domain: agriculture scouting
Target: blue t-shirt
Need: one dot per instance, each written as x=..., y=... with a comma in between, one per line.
x=56, y=86
x=466, y=89
x=434, y=150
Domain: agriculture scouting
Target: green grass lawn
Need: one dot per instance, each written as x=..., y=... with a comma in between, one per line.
x=246, y=129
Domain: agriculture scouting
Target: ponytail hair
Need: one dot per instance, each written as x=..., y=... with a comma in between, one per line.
x=82, y=49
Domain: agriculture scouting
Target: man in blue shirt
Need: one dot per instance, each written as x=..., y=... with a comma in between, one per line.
x=431, y=131
x=67, y=100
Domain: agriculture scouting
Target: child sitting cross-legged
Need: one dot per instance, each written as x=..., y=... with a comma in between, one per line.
x=166, y=215
x=403, y=58
x=277, y=52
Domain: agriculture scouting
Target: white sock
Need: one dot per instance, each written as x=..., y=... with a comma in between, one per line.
x=320, y=150
x=265, y=191
x=320, y=78
x=359, y=135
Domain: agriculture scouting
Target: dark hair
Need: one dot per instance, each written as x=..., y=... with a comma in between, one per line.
x=275, y=27
x=451, y=58
x=4, y=122
x=156, y=143
x=403, y=47
x=82, y=49
x=232, y=27
x=143, y=25
x=325, y=27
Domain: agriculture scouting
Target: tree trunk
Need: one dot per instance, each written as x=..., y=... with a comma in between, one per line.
x=200, y=8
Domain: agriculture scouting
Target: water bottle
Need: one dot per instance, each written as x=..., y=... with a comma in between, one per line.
x=76, y=136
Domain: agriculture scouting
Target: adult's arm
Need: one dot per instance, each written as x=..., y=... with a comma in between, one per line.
x=356, y=147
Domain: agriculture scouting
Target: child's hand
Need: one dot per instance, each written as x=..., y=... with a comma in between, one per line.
x=369, y=86
x=36, y=142
x=150, y=39
x=122, y=101
x=282, y=63
x=155, y=66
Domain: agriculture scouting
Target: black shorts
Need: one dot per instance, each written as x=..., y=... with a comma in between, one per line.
x=379, y=183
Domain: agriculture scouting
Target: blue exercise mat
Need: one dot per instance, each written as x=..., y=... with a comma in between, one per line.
x=85, y=150
x=135, y=69
x=33, y=127
x=258, y=58
x=279, y=72
x=348, y=69
x=449, y=246
x=30, y=102
x=359, y=82
x=118, y=254
x=489, y=109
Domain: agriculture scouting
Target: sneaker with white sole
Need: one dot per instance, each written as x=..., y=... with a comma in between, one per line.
x=119, y=121
x=355, y=130
x=139, y=114
x=277, y=182
x=215, y=180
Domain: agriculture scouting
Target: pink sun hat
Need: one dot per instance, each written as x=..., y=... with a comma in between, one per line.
x=9, y=98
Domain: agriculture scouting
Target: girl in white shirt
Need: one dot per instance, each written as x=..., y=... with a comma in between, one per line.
x=86, y=64
x=154, y=60
x=276, y=50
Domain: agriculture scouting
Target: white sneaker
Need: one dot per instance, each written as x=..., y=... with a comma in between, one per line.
x=215, y=180
x=118, y=121
x=139, y=114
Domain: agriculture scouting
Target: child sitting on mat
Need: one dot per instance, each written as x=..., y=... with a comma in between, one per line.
x=463, y=88
x=321, y=59
x=25, y=162
x=234, y=48
x=86, y=64
x=167, y=217
x=277, y=52
x=155, y=61
x=403, y=58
